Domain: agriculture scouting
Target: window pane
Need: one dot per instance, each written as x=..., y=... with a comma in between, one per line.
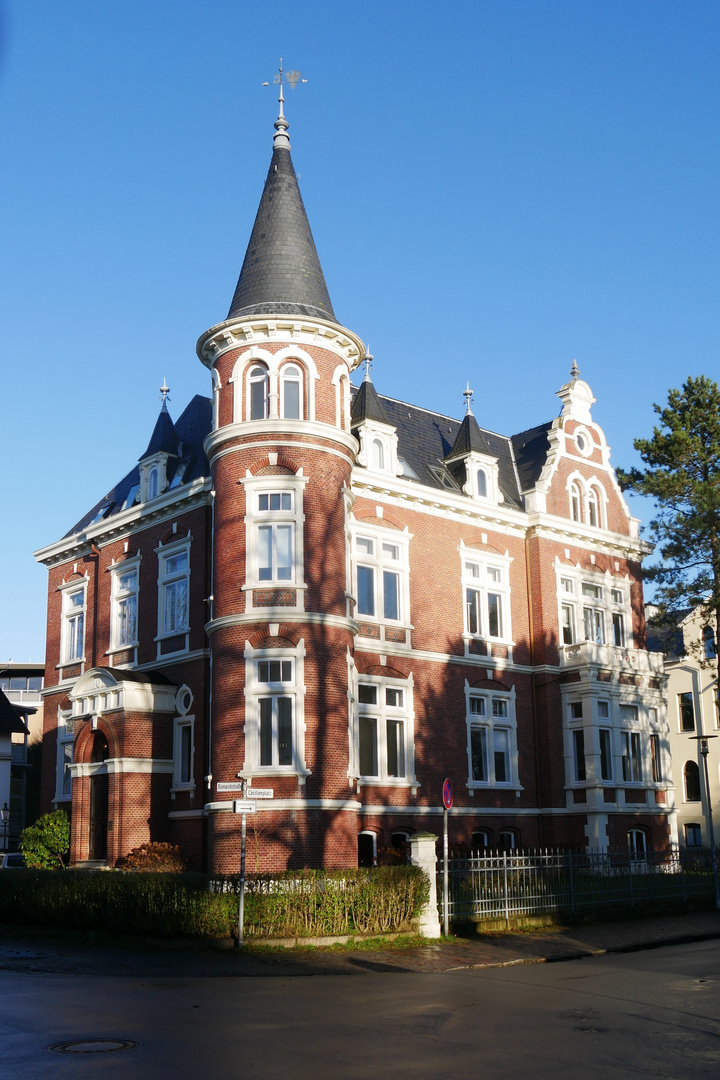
x=636, y=758
x=265, y=553
x=592, y=590
x=284, y=552
x=176, y=564
x=499, y=707
x=579, y=753
x=692, y=782
x=567, y=625
x=605, y=755
x=284, y=705
x=603, y=708
x=257, y=399
x=185, y=754
x=393, y=697
x=494, y=615
x=478, y=752
x=395, y=748
x=365, y=545
x=263, y=502
x=287, y=671
x=655, y=759
x=502, y=760
x=367, y=695
x=366, y=590
x=391, y=593
x=391, y=551
x=687, y=712
x=472, y=569
x=266, y=731
x=274, y=670
x=494, y=573
x=367, y=728
x=482, y=484
x=472, y=599
x=618, y=629
x=291, y=399
x=67, y=755
x=477, y=706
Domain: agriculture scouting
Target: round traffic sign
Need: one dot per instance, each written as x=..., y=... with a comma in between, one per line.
x=447, y=794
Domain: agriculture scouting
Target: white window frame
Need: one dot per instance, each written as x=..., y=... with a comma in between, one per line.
x=165, y=579
x=255, y=519
x=380, y=562
x=71, y=616
x=63, y=767
x=181, y=724
x=255, y=691
x=249, y=381
x=118, y=598
x=382, y=712
x=610, y=609
x=285, y=378
x=489, y=721
x=483, y=586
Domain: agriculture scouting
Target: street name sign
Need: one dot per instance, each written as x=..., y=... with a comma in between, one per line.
x=233, y=785
x=260, y=793
x=244, y=806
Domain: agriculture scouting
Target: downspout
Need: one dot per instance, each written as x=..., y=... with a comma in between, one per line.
x=96, y=552
x=533, y=693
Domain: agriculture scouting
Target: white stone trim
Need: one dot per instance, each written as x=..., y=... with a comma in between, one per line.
x=283, y=615
x=146, y=766
x=302, y=329
x=275, y=427
x=270, y=805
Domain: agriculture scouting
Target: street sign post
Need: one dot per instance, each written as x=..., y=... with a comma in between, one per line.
x=447, y=798
x=244, y=807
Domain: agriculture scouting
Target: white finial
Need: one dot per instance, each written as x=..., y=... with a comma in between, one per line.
x=281, y=124
x=164, y=393
x=468, y=395
x=367, y=361
x=574, y=370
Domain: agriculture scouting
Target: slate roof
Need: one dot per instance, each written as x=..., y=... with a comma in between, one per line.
x=190, y=430
x=469, y=438
x=281, y=273
x=10, y=720
x=366, y=405
x=426, y=439
x=164, y=437
x=531, y=451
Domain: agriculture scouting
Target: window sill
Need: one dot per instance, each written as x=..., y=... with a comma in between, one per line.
x=69, y=663
x=182, y=787
x=396, y=782
x=488, y=785
x=122, y=648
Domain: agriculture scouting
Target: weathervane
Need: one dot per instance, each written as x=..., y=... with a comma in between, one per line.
x=292, y=78
x=468, y=395
x=164, y=392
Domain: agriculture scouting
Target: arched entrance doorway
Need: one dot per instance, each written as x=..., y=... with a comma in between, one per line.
x=99, y=800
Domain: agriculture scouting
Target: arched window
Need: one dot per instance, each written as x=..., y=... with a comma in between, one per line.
x=482, y=483
x=377, y=455
x=637, y=843
x=593, y=508
x=709, y=643
x=575, y=502
x=258, y=392
x=290, y=392
x=691, y=774
x=508, y=840
x=152, y=484
x=480, y=841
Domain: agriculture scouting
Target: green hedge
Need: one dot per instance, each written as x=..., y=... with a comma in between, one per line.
x=307, y=903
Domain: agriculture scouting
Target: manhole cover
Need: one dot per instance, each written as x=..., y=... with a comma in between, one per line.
x=92, y=1046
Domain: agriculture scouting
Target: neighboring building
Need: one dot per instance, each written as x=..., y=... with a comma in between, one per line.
x=346, y=598
x=22, y=686
x=692, y=691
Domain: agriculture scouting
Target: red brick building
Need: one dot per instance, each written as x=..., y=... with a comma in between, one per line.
x=316, y=589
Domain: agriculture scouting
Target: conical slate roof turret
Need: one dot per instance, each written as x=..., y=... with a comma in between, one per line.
x=366, y=404
x=164, y=438
x=281, y=273
x=469, y=439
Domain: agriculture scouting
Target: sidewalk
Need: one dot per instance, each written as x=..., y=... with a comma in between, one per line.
x=56, y=952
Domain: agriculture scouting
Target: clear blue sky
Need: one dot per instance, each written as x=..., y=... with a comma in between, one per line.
x=495, y=188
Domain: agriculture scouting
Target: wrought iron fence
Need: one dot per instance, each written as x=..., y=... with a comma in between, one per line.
x=508, y=884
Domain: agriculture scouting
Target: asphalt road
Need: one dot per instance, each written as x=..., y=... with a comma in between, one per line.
x=654, y=1014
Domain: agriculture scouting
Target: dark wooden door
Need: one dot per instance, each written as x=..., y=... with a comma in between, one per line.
x=98, y=816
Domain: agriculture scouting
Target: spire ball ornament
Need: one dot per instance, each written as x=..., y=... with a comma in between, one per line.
x=468, y=395
x=164, y=392
x=292, y=78
x=574, y=370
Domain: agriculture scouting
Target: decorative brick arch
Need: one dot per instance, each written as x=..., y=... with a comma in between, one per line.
x=283, y=465
x=86, y=738
x=385, y=522
x=285, y=638
x=381, y=671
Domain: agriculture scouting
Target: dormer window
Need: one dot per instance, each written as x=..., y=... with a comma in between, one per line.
x=153, y=484
x=482, y=484
x=257, y=392
x=290, y=392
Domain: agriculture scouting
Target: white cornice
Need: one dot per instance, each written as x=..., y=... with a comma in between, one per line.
x=290, y=804
x=248, y=429
x=281, y=615
x=128, y=522
x=550, y=527
x=299, y=329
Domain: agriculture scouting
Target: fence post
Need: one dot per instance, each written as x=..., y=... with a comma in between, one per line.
x=505, y=889
x=422, y=854
x=682, y=874
x=572, y=887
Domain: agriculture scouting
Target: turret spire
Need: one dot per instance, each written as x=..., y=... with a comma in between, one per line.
x=281, y=273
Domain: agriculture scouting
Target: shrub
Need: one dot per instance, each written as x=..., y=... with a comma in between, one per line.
x=154, y=858
x=45, y=844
